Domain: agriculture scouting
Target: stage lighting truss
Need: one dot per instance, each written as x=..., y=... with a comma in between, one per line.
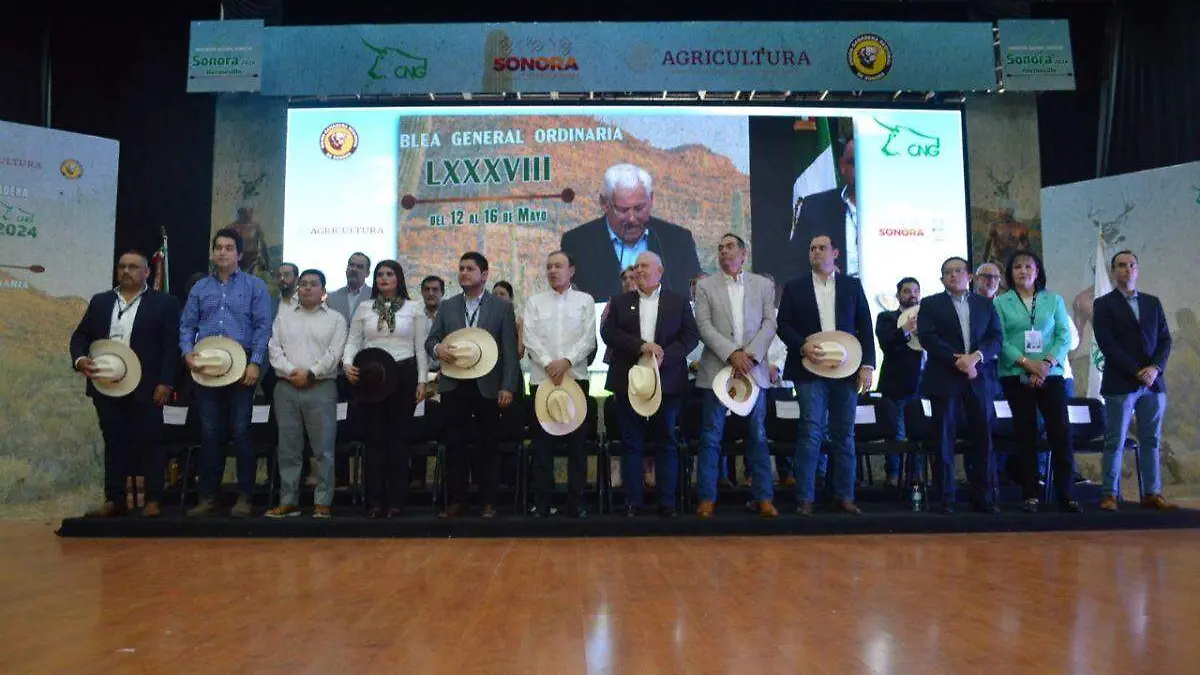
x=776, y=97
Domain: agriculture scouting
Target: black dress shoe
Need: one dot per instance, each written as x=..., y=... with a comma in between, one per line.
x=1031, y=505
x=1070, y=507
x=667, y=511
x=632, y=511
x=375, y=513
x=990, y=509
x=395, y=512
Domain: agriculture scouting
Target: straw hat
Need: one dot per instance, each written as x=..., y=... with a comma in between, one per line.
x=913, y=343
x=222, y=362
x=560, y=409
x=475, y=353
x=738, y=393
x=645, y=387
x=841, y=355
x=378, y=375
x=118, y=370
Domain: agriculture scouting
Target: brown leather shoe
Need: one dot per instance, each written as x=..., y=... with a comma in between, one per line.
x=1109, y=503
x=847, y=506
x=489, y=511
x=804, y=508
x=453, y=511
x=705, y=509
x=788, y=482
x=766, y=509
x=151, y=510
x=107, y=510
x=1156, y=503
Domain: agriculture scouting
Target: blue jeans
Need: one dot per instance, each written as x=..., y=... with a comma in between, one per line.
x=892, y=462
x=757, y=455
x=224, y=412
x=824, y=403
x=661, y=429
x=1149, y=407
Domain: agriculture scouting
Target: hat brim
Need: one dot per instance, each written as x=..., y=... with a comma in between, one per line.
x=646, y=407
x=913, y=343
x=845, y=368
x=489, y=354
x=541, y=409
x=237, y=368
x=720, y=387
x=374, y=392
x=133, y=368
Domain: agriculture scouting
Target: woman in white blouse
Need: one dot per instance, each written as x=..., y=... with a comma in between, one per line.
x=388, y=321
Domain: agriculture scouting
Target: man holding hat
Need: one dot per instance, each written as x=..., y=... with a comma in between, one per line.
x=735, y=312
x=474, y=336
x=960, y=331
x=825, y=323
x=560, y=335
x=650, y=331
x=223, y=336
x=127, y=346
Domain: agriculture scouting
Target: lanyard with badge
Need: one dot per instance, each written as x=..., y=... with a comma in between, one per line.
x=117, y=329
x=1033, y=338
x=472, y=316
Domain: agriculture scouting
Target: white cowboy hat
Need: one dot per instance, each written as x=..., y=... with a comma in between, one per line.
x=475, y=353
x=913, y=343
x=738, y=393
x=118, y=370
x=841, y=355
x=560, y=409
x=222, y=362
x=645, y=387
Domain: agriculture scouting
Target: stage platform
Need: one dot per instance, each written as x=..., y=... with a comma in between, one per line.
x=731, y=520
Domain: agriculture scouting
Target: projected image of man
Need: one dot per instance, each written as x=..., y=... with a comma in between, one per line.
x=834, y=213
x=607, y=245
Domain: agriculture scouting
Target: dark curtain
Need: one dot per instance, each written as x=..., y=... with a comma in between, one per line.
x=1157, y=105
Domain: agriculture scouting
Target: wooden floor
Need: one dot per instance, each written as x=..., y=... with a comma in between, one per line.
x=1012, y=603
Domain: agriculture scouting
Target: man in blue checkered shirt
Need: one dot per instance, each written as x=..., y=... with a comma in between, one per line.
x=233, y=304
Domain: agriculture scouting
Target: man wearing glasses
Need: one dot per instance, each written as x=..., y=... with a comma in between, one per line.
x=987, y=280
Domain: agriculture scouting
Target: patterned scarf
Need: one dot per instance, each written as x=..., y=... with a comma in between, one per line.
x=386, y=309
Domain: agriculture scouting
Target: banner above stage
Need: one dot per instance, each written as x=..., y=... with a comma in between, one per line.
x=612, y=57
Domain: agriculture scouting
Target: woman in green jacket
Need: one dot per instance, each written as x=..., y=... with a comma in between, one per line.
x=1037, y=338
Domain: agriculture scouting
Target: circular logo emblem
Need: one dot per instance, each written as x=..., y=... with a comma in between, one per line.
x=339, y=140
x=869, y=57
x=70, y=169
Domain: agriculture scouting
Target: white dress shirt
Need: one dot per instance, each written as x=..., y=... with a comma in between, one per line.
x=303, y=339
x=123, y=314
x=826, y=300
x=962, y=307
x=559, y=326
x=648, y=313
x=853, y=235
x=736, y=287
x=406, y=342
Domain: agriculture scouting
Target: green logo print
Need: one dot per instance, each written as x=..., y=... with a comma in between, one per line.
x=397, y=63
x=909, y=141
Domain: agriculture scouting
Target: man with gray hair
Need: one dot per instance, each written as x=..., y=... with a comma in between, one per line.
x=627, y=229
x=987, y=280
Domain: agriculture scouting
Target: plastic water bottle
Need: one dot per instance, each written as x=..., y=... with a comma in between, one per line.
x=916, y=498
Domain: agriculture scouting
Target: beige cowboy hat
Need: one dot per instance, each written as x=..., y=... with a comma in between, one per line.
x=913, y=343
x=645, y=387
x=475, y=353
x=118, y=370
x=739, y=393
x=222, y=362
x=841, y=355
x=560, y=409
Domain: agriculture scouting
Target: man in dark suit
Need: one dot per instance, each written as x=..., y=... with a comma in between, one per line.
x=820, y=301
x=605, y=246
x=833, y=213
x=475, y=404
x=650, y=321
x=900, y=372
x=148, y=322
x=960, y=331
x=1131, y=330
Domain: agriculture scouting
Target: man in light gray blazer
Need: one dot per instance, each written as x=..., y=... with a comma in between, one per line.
x=735, y=311
x=475, y=404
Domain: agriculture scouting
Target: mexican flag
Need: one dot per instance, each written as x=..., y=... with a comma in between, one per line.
x=158, y=262
x=814, y=160
x=1103, y=286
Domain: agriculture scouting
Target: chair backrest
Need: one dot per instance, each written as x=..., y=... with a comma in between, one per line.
x=513, y=421
x=918, y=420
x=691, y=419
x=782, y=420
x=181, y=425
x=1086, y=419
x=591, y=424
x=1002, y=420
x=875, y=419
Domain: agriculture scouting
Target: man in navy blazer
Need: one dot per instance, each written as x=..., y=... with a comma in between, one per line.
x=960, y=332
x=1131, y=330
x=148, y=322
x=812, y=303
x=603, y=247
x=669, y=335
x=900, y=372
